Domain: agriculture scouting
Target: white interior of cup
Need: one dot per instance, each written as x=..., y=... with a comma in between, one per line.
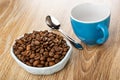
x=89, y=12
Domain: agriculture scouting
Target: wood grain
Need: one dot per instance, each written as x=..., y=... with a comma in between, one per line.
x=93, y=63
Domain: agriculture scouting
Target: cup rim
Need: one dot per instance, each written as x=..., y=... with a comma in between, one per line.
x=102, y=19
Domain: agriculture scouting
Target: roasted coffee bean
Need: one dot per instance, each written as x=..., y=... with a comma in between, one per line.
x=59, y=53
x=56, y=40
x=57, y=60
x=23, y=53
x=48, y=48
x=49, y=40
x=37, y=57
x=29, y=39
x=41, y=38
x=45, y=44
x=65, y=49
x=37, y=50
x=27, y=53
x=45, y=49
x=52, y=59
x=46, y=64
x=19, y=41
x=39, y=65
x=31, y=60
x=20, y=48
x=46, y=54
x=64, y=53
x=51, y=54
x=17, y=52
x=27, y=58
x=50, y=34
x=45, y=39
x=32, y=55
x=26, y=35
x=19, y=56
x=40, y=48
x=52, y=50
x=56, y=56
x=37, y=36
x=33, y=52
x=42, y=62
x=49, y=59
x=37, y=42
x=35, y=63
x=52, y=44
x=37, y=47
x=28, y=64
x=57, y=49
x=51, y=63
x=22, y=58
x=37, y=54
x=42, y=58
x=33, y=48
x=28, y=47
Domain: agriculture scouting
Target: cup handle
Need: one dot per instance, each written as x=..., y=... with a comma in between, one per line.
x=105, y=32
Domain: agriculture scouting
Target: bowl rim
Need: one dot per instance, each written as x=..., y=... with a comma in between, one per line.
x=31, y=67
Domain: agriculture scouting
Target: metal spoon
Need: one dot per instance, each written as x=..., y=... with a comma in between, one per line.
x=54, y=24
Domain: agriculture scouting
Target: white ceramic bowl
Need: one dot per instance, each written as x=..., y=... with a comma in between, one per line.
x=45, y=70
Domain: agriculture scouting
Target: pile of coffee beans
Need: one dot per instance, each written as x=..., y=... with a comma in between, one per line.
x=40, y=48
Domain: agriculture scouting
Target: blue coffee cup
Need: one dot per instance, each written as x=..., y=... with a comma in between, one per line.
x=90, y=23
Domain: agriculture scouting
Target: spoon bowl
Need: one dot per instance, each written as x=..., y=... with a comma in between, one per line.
x=50, y=20
x=53, y=23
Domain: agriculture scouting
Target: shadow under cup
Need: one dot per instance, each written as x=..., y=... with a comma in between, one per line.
x=90, y=23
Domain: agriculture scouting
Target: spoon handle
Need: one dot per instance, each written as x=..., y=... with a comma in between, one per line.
x=73, y=42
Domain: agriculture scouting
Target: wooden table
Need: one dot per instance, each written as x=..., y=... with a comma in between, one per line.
x=93, y=63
